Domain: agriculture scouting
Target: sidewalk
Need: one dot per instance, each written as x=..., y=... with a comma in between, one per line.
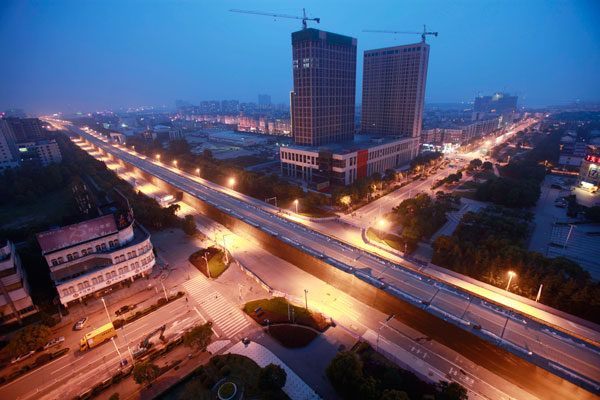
x=294, y=387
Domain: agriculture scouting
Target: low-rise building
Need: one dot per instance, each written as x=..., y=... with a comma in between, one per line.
x=90, y=257
x=15, y=301
x=344, y=162
x=43, y=151
x=589, y=173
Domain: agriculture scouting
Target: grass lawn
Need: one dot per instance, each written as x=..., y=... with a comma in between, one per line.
x=468, y=185
x=247, y=161
x=394, y=241
x=292, y=336
x=49, y=208
x=216, y=261
x=276, y=310
x=320, y=214
x=485, y=175
x=239, y=369
x=465, y=194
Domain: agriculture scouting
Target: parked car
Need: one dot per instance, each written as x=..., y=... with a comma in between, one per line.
x=22, y=357
x=54, y=342
x=124, y=309
x=80, y=324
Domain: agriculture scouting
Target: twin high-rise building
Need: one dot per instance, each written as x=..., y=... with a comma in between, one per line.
x=323, y=108
x=322, y=102
x=394, y=90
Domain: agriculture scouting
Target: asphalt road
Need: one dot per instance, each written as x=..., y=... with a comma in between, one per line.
x=400, y=280
x=78, y=371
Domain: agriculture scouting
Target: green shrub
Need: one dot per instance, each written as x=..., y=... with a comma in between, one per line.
x=13, y=375
x=114, y=396
x=147, y=310
x=25, y=368
x=162, y=301
x=2, y=380
x=60, y=352
x=96, y=389
x=139, y=314
x=43, y=359
x=117, y=323
x=226, y=371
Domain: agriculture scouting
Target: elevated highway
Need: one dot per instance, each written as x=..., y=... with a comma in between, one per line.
x=460, y=314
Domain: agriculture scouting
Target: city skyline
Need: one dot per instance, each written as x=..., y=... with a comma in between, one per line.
x=94, y=58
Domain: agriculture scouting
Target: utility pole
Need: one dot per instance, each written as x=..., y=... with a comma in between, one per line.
x=128, y=348
x=118, y=352
x=164, y=291
x=206, y=259
x=306, y=299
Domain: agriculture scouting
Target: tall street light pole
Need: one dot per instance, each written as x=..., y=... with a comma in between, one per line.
x=164, y=290
x=296, y=203
x=306, y=299
x=206, y=259
x=510, y=274
x=106, y=309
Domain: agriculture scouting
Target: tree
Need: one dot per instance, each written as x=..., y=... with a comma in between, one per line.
x=345, y=373
x=475, y=164
x=487, y=166
x=207, y=154
x=145, y=372
x=199, y=337
x=272, y=378
x=394, y=395
x=29, y=338
x=189, y=225
x=452, y=391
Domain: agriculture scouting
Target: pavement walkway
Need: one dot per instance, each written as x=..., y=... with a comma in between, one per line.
x=294, y=387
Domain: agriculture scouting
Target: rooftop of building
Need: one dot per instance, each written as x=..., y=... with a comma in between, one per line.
x=390, y=50
x=360, y=142
x=4, y=249
x=315, y=35
x=67, y=236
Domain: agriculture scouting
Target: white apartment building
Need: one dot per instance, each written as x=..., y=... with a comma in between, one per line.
x=15, y=302
x=47, y=150
x=345, y=162
x=89, y=257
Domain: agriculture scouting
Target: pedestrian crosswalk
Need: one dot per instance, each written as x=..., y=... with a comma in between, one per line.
x=226, y=317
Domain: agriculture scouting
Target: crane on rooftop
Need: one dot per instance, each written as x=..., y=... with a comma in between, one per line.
x=304, y=18
x=423, y=34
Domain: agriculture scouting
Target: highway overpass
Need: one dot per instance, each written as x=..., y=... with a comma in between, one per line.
x=455, y=314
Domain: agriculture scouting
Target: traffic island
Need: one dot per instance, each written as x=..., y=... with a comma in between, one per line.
x=213, y=258
x=216, y=378
x=277, y=310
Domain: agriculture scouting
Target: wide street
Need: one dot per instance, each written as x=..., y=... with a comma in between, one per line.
x=444, y=302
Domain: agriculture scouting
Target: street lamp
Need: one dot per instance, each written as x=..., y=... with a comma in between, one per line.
x=231, y=182
x=106, y=309
x=175, y=163
x=306, y=299
x=510, y=274
x=198, y=171
x=296, y=203
x=157, y=157
x=205, y=256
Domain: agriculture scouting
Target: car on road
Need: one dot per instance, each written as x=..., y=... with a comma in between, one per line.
x=80, y=324
x=22, y=357
x=54, y=342
x=560, y=202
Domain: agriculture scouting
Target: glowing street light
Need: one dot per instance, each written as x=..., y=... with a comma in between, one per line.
x=296, y=203
x=175, y=163
x=510, y=274
x=231, y=182
x=198, y=171
x=157, y=157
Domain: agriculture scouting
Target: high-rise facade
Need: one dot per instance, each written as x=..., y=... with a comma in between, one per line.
x=500, y=105
x=9, y=155
x=393, y=97
x=322, y=103
x=26, y=129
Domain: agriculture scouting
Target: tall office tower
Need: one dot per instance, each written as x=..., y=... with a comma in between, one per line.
x=324, y=87
x=26, y=129
x=9, y=155
x=230, y=106
x=264, y=101
x=394, y=90
x=500, y=104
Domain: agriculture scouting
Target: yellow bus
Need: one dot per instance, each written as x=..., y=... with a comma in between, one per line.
x=97, y=336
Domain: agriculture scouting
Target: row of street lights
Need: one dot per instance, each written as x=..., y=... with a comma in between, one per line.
x=231, y=181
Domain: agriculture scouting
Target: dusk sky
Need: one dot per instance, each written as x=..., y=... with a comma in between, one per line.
x=91, y=55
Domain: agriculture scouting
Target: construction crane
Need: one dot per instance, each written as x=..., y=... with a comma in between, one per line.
x=423, y=34
x=304, y=18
